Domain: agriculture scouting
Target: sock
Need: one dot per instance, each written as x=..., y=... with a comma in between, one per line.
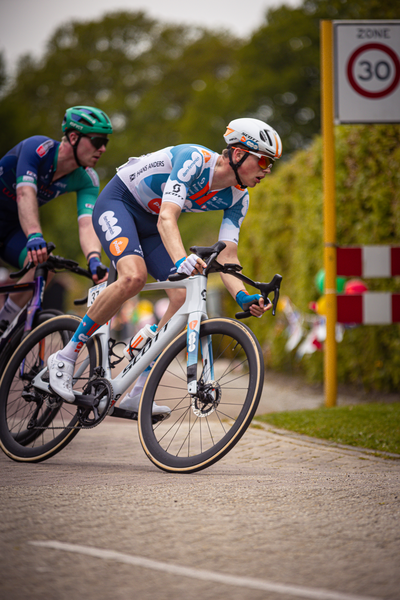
x=141, y=380
x=85, y=329
x=9, y=310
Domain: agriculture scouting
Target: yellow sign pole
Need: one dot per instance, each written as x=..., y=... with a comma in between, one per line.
x=330, y=358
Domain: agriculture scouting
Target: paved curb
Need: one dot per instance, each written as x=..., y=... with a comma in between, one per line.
x=305, y=438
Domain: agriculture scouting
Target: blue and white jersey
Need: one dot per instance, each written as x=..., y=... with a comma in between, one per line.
x=183, y=175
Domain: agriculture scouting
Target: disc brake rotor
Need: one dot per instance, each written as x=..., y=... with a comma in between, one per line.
x=207, y=399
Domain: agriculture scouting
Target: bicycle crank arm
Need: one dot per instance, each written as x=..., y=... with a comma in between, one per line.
x=121, y=413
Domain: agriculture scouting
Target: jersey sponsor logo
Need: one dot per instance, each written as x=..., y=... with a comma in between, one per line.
x=155, y=205
x=28, y=179
x=174, y=188
x=207, y=155
x=156, y=164
x=108, y=223
x=251, y=144
x=43, y=149
x=8, y=193
x=91, y=206
x=118, y=246
x=189, y=167
x=45, y=192
x=93, y=176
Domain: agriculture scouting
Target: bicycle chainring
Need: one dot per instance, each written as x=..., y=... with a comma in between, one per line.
x=103, y=392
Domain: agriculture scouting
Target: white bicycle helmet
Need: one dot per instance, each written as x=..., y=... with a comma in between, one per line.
x=255, y=135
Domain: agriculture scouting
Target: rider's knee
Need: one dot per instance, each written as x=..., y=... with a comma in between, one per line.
x=130, y=285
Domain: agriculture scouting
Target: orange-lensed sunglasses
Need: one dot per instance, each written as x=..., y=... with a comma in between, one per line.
x=264, y=162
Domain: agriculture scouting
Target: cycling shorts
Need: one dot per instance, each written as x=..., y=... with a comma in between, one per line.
x=12, y=241
x=124, y=228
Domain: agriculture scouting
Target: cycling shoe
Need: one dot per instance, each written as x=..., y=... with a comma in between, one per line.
x=60, y=375
x=132, y=403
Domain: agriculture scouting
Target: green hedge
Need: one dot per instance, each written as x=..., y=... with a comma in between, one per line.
x=283, y=233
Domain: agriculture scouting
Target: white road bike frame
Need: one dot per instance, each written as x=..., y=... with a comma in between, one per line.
x=191, y=313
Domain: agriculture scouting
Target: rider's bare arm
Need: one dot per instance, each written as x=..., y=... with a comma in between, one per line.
x=169, y=232
x=28, y=213
x=233, y=285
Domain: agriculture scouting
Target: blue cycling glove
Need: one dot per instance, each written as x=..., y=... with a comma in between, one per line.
x=244, y=298
x=35, y=242
x=96, y=267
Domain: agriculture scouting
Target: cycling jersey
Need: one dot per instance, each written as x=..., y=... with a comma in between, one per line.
x=33, y=162
x=183, y=175
x=126, y=212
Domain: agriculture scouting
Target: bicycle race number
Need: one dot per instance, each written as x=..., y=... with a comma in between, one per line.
x=95, y=291
x=367, y=71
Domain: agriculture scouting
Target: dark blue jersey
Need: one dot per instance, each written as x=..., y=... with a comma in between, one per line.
x=32, y=162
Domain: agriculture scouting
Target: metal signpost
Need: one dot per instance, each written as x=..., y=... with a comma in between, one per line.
x=360, y=69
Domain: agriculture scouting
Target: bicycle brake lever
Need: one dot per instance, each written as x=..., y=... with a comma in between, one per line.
x=22, y=272
x=30, y=265
x=246, y=313
x=275, y=300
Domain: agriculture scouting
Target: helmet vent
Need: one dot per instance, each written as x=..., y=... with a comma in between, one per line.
x=264, y=135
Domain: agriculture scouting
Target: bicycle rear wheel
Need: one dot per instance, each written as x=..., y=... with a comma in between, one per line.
x=202, y=428
x=18, y=334
x=33, y=424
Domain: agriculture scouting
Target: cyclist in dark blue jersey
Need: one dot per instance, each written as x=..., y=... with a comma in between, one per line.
x=36, y=171
x=136, y=219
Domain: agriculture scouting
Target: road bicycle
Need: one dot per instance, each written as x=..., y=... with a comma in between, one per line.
x=33, y=314
x=209, y=372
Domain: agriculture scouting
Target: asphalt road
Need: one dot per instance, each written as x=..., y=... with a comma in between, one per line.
x=280, y=517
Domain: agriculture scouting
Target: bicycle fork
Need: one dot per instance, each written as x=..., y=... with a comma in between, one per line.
x=193, y=337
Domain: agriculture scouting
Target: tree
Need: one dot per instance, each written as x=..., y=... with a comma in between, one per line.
x=278, y=74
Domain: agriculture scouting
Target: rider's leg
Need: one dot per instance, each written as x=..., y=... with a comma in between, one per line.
x=132, y=399
x=132, y=276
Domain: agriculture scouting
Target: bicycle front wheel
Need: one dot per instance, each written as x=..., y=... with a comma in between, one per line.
x=34, y=425
x=202, y=427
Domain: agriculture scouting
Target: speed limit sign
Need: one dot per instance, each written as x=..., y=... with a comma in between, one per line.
x=367, y=71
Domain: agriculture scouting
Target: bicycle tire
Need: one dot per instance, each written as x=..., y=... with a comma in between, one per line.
x=192, y=439
x=17, y=336
x=54, y=426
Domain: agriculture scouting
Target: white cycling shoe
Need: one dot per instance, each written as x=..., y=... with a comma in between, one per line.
x=132, y=403
x=60, y=374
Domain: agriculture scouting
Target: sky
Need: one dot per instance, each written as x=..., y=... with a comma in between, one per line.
x=27, y=25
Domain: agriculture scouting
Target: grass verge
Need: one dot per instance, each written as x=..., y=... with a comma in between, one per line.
x=373, y=426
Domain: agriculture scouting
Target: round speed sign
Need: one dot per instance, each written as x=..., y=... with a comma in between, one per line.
x=373, y=70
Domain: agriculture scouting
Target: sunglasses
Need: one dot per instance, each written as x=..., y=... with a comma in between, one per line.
x=264, y=162
x=97, y=141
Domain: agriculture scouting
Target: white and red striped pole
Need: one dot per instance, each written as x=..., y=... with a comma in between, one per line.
x=368, y=261
x=369, y=308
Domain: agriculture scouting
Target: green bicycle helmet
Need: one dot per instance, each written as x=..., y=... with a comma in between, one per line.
x=86, y=120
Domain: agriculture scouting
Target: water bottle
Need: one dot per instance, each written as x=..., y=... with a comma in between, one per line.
x=140, y=340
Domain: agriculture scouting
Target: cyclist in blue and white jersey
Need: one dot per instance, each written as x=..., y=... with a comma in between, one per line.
x=36, y=171
x=136, y=220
